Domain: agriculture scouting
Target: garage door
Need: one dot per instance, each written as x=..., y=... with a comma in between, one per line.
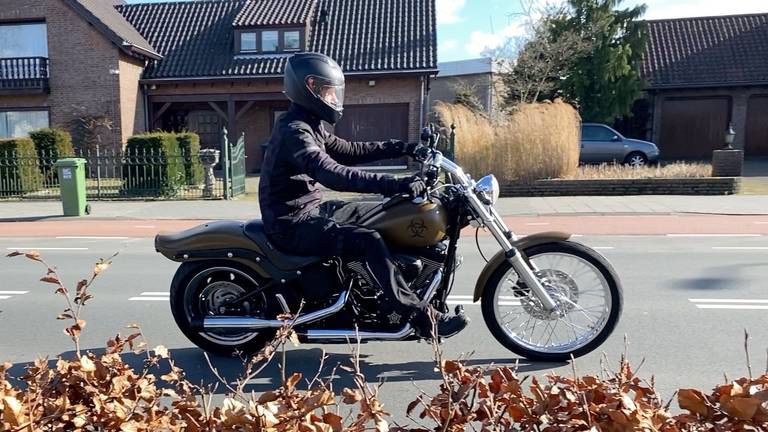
x=757, y=126
x=375, y=122
x=692, y=128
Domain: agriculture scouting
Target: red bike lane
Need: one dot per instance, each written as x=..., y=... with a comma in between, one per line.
x=522, y=225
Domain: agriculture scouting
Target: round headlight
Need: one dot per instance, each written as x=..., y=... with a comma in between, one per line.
x=487, y=189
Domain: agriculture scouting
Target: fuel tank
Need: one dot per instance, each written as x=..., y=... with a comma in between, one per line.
x=407, y=224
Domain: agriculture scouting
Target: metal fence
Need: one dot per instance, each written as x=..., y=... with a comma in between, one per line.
x=110, y=175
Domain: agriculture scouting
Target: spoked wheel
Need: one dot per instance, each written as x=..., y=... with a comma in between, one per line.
x=636, y=160
x=580, y=281
x=207, y=289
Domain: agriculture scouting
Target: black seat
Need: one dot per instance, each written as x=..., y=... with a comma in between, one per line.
x=255, y=231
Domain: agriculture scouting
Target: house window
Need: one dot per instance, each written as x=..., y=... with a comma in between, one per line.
x=248, y=42
x=17, y=124
x=23, y=40
x=291, y=40
x=269, y=40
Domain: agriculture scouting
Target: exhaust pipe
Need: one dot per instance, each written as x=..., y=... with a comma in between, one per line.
x=352, y=335
x=247, y=323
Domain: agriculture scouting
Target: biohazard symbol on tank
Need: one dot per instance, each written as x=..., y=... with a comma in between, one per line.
x=417, y=228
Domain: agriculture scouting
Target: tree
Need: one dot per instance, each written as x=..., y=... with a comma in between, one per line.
x=605, y=82
x=466, y=95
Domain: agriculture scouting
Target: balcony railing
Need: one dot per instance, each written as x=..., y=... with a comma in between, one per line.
x=23, y=74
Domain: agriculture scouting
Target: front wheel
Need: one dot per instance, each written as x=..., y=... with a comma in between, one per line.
x=582, y=283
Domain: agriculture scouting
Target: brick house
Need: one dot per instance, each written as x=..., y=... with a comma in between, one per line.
x=704, y=73
x=480, y=76
x=207, y=64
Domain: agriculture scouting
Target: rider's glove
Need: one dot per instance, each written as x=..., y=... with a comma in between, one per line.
x=412, y=185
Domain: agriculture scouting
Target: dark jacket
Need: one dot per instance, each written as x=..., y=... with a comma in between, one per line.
x=300, y=154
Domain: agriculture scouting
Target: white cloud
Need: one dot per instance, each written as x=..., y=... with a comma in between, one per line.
x=447, y=45
x=658, y=9
x=448, y=11
x=480, y=41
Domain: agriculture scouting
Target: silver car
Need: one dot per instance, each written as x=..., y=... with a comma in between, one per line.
x=600, y=143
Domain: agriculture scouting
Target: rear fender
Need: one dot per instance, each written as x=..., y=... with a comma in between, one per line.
x=218, y=240
x=521, y=245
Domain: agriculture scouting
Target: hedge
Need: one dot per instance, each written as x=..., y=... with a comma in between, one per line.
x=51, y=144
x=19, y=171
x=153, y=165
x=189, y=144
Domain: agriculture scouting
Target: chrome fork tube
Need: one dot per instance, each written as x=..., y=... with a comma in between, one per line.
x=496, y=225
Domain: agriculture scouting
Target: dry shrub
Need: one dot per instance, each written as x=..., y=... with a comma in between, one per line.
x=537, y=141
x=617, y=171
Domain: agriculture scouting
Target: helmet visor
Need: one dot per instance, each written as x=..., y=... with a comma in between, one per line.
x=331, y=94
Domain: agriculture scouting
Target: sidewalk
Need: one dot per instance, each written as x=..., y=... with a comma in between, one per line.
x=248, y=208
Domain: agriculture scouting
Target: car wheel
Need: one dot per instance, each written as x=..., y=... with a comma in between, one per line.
x=636, y=159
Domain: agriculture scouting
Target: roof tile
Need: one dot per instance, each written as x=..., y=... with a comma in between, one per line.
x=707, y=51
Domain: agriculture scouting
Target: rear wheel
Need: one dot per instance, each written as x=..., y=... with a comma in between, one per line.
x=206, y=289
x=580, y=281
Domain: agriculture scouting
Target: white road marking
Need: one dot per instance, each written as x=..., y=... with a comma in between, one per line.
x=740, y=304
x=156, y=293
x=732, y=306
x=46, y=248
x=13, y=292
x=4, y=297
x=91, y=238
x=714, y=235
x=148, y=299
x=740, y=247
x=727, y=301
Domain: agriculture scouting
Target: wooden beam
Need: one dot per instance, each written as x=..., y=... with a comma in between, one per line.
x=160, y=113
x=244, y=109
x=216, y=108
x=231, y=121
x=221, y=97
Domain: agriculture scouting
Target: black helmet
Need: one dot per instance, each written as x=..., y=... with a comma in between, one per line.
x=315, y=82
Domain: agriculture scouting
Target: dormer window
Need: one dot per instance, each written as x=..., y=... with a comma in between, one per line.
x=268, y=41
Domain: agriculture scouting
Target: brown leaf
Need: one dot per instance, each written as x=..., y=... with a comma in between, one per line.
x=412, y=406
x=12, y=411
x=351, y=396
x=33, y=255
x=62, y=290
x=64, y=316
x=694, y=401
x=132, y=326
x=100, y=267
x=51, y=279
x=14, y=254
x=744, y=408
x=334, y=420
x=294, y=338
x=87, y=365
x=293, y=380
x=81, y=324
x=80, y=285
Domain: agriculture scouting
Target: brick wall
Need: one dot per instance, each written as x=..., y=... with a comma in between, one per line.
x=80, y=62
x=444, y=89
x=131, y=98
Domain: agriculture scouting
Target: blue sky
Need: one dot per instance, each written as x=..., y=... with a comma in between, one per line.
x=467, y=27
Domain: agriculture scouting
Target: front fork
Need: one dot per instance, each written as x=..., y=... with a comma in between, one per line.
x=493, y=221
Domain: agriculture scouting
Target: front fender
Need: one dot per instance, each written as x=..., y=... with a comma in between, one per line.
x=521, y=245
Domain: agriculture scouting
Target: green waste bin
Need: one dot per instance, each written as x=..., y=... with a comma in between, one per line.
x=72, y=181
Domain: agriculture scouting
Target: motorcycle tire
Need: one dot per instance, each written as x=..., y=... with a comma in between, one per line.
x=528, y=350
x=185, y=306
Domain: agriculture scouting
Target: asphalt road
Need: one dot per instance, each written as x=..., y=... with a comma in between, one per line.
x=684, y=343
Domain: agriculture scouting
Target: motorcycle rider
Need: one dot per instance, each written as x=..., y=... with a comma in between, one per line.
x=301, y=153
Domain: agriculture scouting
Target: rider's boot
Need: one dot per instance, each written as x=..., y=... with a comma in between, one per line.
x=446, y=325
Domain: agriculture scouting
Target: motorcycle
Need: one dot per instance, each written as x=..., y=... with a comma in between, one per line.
x=543, y=296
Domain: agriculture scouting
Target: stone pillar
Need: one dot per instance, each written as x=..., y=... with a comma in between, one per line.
x=739, y=118
x=209, y=158
x=727, y=162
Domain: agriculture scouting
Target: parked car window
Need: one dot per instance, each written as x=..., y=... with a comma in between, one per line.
x=596, y=133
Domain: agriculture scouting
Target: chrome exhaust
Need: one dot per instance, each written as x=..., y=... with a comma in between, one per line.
x=247, y=323
x=352, y=335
